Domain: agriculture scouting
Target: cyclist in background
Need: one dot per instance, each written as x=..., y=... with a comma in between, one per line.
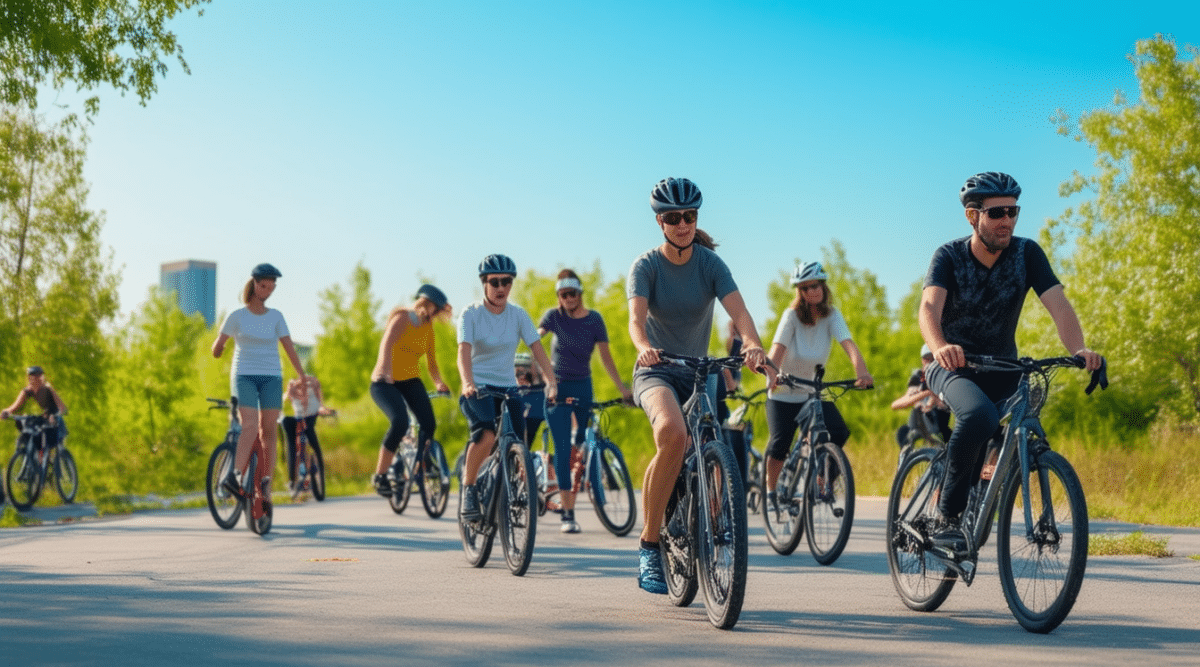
x=671, y=291
x=971, y=304
x=488, y=334
x=577, y=332
x=533, y=396
x=396, y=385
x=307, y=404
x=807, y=329
x=39, y=389
x=256, y=378
x=925, y=405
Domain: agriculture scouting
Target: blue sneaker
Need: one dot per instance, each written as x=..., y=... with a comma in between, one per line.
x=650, y=572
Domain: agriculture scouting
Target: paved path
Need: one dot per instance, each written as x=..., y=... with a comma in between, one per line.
x=347, y=582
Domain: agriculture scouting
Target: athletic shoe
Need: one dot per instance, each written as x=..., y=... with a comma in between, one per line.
x=469, y=510
x=948, y=538
x=382, y=486
x=233, y=486
x=568, y=522
x=650, y=572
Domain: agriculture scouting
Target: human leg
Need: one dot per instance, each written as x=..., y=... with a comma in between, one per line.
x=781, y=425
x=391, y=402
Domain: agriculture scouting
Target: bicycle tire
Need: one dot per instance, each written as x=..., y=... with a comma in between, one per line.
x=1040, y=585
x=403, y=491
x=23, y=479
x=435, y=484
x=250, y=486
x=316, y=472
x=223, y=505
x=677, y=550
x=66, y=477
x=611, y=488
x=477, y=543
x=829, y=504
x=921, y=579
x=722, y=537
x=784, y=522
x=517, y=513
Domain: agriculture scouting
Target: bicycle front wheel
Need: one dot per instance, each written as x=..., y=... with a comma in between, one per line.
x=784, y=519
x=1041, y=565
x=66, y=476
x=223, y=505
x=722, y=537
x=922, y=580
x=23, y=479
x=518, y=507
x=259, y=510
x=829, y=504
x=611, y=489
x=316, y=472
x=435, y=483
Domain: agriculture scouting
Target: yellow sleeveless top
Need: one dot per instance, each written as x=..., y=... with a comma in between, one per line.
x=408, y=349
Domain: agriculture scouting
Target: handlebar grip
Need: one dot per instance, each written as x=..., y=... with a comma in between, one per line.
x=1099, y=377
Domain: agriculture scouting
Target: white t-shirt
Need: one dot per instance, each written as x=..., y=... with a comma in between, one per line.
x=257, y=338
x=806, y=348
x=494, y=340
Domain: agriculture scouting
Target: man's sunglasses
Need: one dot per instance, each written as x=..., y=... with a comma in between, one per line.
x=675, y=217
x=998, y=212
x=499, y=282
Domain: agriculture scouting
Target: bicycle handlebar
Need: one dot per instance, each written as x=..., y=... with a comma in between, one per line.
x=983, y=362
x=747, y=398
x=688, y=361
x=819, y=384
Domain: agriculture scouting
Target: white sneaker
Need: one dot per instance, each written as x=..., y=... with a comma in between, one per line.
x=570, y=527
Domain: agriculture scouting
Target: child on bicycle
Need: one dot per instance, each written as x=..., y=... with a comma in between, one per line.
x=307, y=405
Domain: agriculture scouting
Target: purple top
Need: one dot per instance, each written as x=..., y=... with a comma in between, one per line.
x=574, y=340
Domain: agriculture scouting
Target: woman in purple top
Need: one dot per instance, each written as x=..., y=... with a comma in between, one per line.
x=577, y=331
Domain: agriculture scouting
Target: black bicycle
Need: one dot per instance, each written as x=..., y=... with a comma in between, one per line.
x=1034, y=497
x=507, y=490
x=815, y=489
x=742, y=420
x=431, y=476
x=703, y=538
x=34, y=465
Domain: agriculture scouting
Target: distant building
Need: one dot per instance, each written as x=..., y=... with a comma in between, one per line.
x=195, y=286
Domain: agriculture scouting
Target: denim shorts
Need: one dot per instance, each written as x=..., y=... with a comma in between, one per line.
x=259, y=392
x=482, y=412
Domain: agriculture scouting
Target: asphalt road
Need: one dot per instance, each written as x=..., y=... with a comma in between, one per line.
x=347, y=582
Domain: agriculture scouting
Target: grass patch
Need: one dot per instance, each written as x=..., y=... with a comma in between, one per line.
x=11, y=518
x=1133, y=544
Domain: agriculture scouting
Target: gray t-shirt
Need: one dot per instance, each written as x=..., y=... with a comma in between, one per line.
x=257, y=338
x=680, y=298
x=494, y=339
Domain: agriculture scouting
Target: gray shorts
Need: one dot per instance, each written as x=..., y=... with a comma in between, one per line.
x=680, y=380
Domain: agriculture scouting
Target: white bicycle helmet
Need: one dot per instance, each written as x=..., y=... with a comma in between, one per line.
x=806, y=271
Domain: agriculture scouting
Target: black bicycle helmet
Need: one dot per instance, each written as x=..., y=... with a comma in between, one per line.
x=675, y=194
x=436, y=296
x=35, y=370
x=497, y=264
x=265, y=270
x=988, y=184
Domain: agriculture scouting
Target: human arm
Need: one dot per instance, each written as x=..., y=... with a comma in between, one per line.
x=62, y=407
x=752, y=349
x=391, y=333
x=464, y=370
x=435, y=373
x=1070, y=332
x=863, y=376
x=610, y=367
x=218, y=346
x=17, y=405
x=539, y=353
x=639, y=310
x=929, y=315
x=911, y=397
x=290, y=350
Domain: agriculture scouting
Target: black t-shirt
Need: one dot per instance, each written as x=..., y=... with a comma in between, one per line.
x=983, y=306
x=45, y=399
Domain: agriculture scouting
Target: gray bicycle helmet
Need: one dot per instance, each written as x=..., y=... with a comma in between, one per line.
x=675, y=194
x=265, y=270
x=988, y=184
x=806, y=271
x=497, y=264
x=436, y=296
x=35, y=370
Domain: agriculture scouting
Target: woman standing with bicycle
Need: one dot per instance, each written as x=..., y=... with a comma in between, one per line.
x=256, y=379
x=806, y=330
x=671, y=291
x=396, y=385
x=577, y=332
x=488, y=334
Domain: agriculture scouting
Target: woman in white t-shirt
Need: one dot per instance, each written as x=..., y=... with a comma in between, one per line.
x=256, y=379
x=802, y=341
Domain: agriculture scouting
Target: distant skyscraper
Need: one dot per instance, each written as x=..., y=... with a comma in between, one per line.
x=195, y=286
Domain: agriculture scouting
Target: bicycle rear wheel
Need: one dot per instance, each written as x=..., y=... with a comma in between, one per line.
x=23, y=478
x=1041, y=568
x=316, y=472
x=435, y=483
x=829, y=504
x=224, y=506
x=517, y=513
x=611, y=489
x=922, y=580
x=66, y=476
x=259, y=509
x=676, y=547
x=722, y=537
x=401, y=484
x=784, y=520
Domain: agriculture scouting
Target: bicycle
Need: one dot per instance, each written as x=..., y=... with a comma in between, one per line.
x=432, y=475
x=1034, y=497
x=509, y=507
x=600, y=469
x=306, y=457
x=741, y=419
x=815, y=489
x=703, y=538
x=927, y=430
x=225, y=506
x=33, y=465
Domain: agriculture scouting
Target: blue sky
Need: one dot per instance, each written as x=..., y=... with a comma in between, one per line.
x=419, y=137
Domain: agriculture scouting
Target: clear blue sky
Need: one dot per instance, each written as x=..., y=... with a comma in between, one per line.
x=419, y=137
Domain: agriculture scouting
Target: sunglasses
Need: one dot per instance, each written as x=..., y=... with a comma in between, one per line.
x=568, y=294
x=675, y=217
x=499, y=282
x=999, y=212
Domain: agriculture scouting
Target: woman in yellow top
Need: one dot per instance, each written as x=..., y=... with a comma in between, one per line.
x=396, y=385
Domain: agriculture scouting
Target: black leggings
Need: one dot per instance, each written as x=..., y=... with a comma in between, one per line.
x=781, y=420
x=289, y=440
x=396, y=399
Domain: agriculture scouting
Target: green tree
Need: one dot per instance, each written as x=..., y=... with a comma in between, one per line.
x=122, y=43
x=1136, y=248
x=349, y=339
